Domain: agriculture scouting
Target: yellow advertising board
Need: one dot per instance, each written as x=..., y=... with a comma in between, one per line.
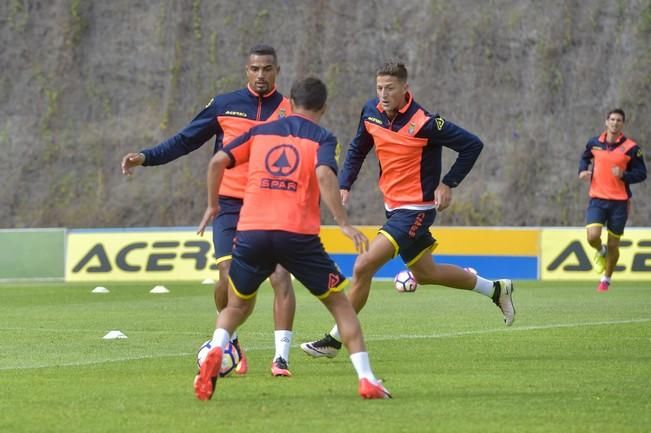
x=566, y=255
x=128, y=255
x=180, y=254
x=507, y=241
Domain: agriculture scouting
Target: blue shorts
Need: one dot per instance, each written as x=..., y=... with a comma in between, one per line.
x=224, y=226
x=408, y=231
x=611, y=213
x=257, y=252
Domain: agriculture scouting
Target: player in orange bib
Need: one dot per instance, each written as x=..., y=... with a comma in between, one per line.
x=225, y=117
x=291, y=167
x=408, y=142
x=617, y=162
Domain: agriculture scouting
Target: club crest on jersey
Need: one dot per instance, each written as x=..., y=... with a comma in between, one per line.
x=439, y=122
x=412, y=128
x=282, y=113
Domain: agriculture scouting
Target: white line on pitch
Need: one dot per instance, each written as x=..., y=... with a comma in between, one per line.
x=368, y=338
x=511, y=329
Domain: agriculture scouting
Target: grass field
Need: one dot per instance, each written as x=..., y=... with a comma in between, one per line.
x=574, y=361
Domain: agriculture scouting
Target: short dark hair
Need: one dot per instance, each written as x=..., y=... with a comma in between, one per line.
x=617, y=111
x=309, y=93
x=394, y=69
x=264, y=50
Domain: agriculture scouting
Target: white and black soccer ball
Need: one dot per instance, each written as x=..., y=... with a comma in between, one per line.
x=230, y=359
x=404, y=281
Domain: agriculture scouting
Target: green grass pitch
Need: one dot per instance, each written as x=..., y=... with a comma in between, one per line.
x=574, y=361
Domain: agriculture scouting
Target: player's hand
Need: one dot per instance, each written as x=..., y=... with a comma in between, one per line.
x=208, y=216
x=585, y=175
x=442, y=197
x=360, y=239
x=617, y=172
x=344, y=196
x=130, y=161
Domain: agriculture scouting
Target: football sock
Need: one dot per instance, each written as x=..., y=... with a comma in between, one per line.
x=605, y=279
x=603, y=250
x=220, y=338
x=334, y=333
x=283, y=341
x=484, y=286
x=362, y=366
x=234, y=336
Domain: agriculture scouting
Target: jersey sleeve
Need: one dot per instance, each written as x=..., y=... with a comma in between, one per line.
x=586, y=157
x=357, y=151
x=327, y=152
x=636, y=170
x=201, y=129
x=468, y=146
x=239, y=149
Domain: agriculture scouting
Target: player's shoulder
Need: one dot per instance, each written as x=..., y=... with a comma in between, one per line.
x=371, y=112
x=632, y=142
x=431, y=121
x=224, y=99
x=595, y=141
x=310, y=130
x=296, y=126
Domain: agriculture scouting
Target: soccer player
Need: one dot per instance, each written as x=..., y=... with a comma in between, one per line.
x=617, y=162
x=291, y=167
x=225, y=117
x=408, y=142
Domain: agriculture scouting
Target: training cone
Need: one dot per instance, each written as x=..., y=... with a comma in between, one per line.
x=100, y=289
x=159, y=289
x=114, y=335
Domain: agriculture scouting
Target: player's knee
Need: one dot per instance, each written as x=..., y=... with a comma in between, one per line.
x=363, y=266
x=241, y=306
x=418, y=274
x=281, y=281
x=422, y=277
x=594, y=239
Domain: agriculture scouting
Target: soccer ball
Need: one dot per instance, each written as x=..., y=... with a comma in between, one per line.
x=404, y=281
x=230, y=359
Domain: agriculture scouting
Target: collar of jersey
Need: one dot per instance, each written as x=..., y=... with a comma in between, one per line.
x=266, y=95
x=301, y=116
x=619, y=140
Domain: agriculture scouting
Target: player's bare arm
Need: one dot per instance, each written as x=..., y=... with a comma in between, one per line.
x=344, y=196
x=585, y=175
x=328, y=186
x=216, y=169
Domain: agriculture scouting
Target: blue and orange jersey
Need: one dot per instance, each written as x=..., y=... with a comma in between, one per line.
x=409, y=149
x=624, y=153
x=225, y=117
x=282, y=191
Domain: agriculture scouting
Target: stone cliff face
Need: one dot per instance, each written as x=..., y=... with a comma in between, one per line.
x=81, y=83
